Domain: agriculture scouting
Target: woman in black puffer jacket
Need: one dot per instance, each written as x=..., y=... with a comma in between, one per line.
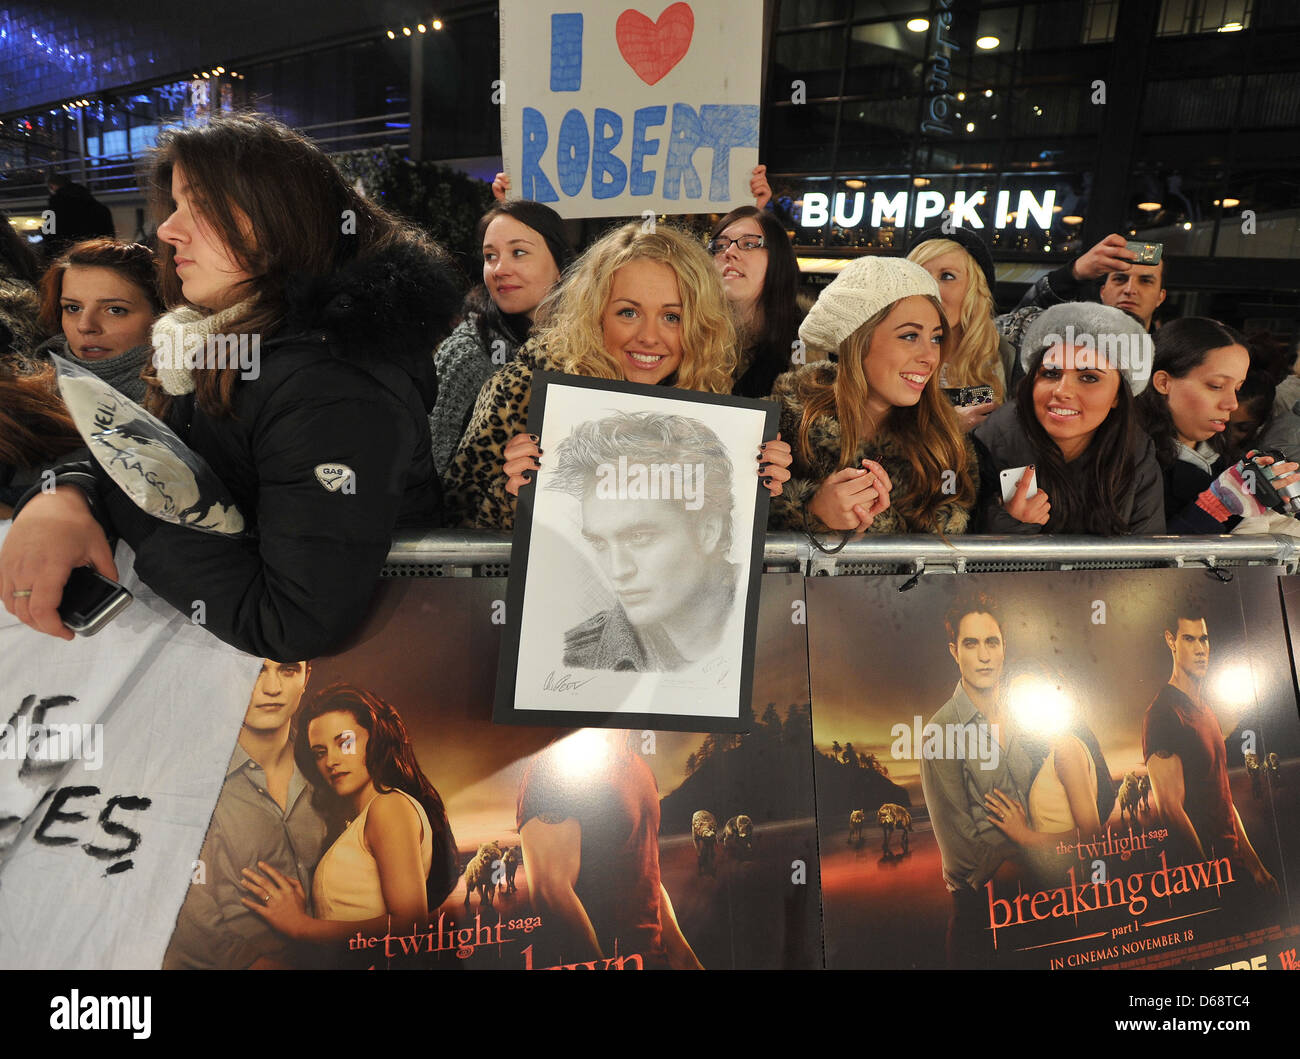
x=318, y=428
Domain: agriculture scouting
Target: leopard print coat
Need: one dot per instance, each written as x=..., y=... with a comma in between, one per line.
x=475, y=486
x=809, y=470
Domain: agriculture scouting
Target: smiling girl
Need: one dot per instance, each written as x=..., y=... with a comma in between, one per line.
x=525, y=250
x=643, y=306
x=1073, y=430
x=876, y=444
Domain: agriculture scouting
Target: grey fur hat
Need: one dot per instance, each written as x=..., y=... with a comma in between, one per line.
x=1118, y=339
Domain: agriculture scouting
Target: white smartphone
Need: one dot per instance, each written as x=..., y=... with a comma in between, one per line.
x=1010, y=478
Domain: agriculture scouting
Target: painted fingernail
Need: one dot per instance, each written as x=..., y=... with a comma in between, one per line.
x=535, y=438
x=767, y=481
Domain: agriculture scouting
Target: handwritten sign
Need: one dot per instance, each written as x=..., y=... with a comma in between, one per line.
x=612, y=111
x=112, y=753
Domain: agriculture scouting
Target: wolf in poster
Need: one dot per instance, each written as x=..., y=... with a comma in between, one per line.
x=570, y=849
x=1066, y=757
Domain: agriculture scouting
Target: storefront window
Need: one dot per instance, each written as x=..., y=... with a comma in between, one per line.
x=815, y=57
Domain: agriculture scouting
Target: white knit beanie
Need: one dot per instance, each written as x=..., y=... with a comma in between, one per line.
x=1118, y=341
x=864, y=287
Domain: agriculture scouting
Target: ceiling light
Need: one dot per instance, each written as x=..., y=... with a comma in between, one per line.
x=918, y=25
x=1230, y=203
x=920, y=182
x=1230, y=27
x=437, y=23
x=1072, y=218
x=987, y=43
x=392, y=35
x=406, y=31
x=422, y=28
x=855, y=184
x=961, y=96
x=988, y=93
x=1149, y=207
x=970, y=126
x=1187, y=226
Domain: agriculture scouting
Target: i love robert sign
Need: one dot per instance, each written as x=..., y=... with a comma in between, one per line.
x=610, y=110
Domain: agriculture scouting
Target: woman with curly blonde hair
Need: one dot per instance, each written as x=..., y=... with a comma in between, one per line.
x=977, y=356
x=643, y=306
x=876, y=445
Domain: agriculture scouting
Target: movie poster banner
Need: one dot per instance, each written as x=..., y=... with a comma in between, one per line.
x=373, y=816
x=1055, y=770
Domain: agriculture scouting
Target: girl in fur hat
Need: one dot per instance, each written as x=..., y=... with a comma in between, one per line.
x=876, y=444
x=1072, y=431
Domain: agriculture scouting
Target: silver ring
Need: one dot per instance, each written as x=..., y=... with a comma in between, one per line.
x=266, y=899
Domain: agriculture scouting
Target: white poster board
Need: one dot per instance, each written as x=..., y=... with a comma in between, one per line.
x=609, y=111
x=112, y=753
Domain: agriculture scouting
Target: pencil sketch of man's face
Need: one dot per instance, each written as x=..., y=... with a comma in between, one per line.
x=655, y=553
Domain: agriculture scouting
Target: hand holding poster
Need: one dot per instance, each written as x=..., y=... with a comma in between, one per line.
x=618, y=115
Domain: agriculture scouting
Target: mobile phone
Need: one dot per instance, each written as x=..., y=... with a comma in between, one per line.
x=1010, y=478
x=90, y=601
x=961, y=396
x=1147, y=253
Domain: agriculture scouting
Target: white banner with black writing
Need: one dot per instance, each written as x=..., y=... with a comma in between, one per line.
x=112, y=752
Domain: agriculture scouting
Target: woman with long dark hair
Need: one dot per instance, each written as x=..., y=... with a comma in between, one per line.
x=393, y=860
x=760, y=275
x=876, y=445
x=1198, y=371
x=525, y=251
x=35, y=428
x=296, y=362
x=1072, y=431
x=99, y=300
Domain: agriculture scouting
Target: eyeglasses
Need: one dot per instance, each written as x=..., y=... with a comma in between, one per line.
x=746, y=242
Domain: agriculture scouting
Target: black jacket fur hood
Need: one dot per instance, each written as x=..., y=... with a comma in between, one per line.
x=396, y=304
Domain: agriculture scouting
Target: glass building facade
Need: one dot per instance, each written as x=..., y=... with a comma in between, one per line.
x=1045, y=124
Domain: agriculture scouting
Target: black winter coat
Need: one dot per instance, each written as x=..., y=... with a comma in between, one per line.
x=348, y=380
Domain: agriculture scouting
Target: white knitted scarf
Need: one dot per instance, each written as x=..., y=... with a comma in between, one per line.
x=181, y=330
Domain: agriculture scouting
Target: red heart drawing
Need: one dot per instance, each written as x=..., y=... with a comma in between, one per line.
x=654, y=48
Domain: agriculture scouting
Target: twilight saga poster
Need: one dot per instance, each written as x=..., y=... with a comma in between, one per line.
x=1056, y=770
x=488, y=846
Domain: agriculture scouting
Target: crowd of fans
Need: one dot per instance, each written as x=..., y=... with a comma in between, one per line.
x=907, y=403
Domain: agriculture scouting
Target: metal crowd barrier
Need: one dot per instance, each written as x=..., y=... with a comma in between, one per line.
x=466, y=553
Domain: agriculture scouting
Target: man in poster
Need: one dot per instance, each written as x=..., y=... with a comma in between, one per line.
x=1186, y=758
x=955, y=787
x=264, y=813
x=588, y=819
